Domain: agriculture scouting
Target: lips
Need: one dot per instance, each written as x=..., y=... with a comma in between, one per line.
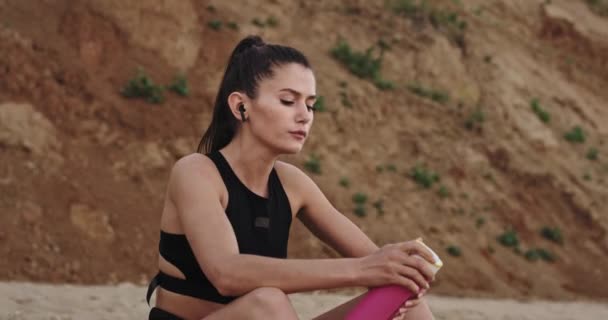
x=301, y=133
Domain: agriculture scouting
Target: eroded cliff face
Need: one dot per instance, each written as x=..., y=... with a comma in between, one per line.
x=83, y=170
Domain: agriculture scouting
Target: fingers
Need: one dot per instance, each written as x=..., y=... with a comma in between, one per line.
x=415, y=247
x=414, y=279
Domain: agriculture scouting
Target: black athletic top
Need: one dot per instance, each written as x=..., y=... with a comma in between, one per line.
x=261, y=226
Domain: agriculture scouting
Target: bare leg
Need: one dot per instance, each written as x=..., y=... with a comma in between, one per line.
x=419, y=312
x=261, y=303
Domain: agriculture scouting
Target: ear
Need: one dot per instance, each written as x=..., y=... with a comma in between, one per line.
x=235, y=99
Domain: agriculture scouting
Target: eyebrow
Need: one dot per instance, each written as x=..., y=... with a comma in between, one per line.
x=297, y=93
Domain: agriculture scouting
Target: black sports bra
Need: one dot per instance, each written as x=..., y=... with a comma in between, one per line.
x=261, y=226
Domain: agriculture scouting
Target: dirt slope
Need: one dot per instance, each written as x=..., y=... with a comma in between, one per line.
x=83, y=170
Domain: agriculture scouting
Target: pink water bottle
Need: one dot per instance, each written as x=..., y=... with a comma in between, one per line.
x=383, y=302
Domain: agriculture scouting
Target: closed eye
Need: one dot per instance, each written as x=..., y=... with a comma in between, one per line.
x=289, y=103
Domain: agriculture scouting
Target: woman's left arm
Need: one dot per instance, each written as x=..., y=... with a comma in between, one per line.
x=327, y=223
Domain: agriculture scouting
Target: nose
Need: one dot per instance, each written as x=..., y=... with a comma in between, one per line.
x=304, y=115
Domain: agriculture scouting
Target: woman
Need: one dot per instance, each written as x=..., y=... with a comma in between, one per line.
x=228, y=207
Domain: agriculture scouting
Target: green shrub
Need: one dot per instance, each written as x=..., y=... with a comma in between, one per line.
x=587, y=176
x=379, y=205
x=542, y=114
x=576, y=135
x=480, y=222
x=344, y=100
x=435, y=95
x=360, y=210
x=592, y=154
x=179, y=85
x=532, y=255
x=359, y=198
x=345, y=182
x=552, y=234
x=313, y=164
x=141, y=86
x=445, y=21
x=363, y=65
x=232, y=25
x=272, y=21
x=509, y=239
x=215, y=24
x=423, y=176
x=454, y=250
x=475, y=119
x=545, y=255
x=600, y=7
x=258, y=23
x=320, y=104
x=443, y=191
x=211, y=8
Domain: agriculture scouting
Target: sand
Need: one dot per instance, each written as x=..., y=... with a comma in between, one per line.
x=126, y=301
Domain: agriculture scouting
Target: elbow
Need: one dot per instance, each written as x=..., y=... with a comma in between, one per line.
x=223, y=280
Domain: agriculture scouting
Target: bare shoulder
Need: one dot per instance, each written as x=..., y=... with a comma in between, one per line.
x=297, y=183
x=290, y=174
x=194, y=171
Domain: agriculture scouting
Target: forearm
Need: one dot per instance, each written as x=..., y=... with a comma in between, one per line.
x=247, y=272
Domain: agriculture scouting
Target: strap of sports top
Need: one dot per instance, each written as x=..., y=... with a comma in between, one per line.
x=186, y=287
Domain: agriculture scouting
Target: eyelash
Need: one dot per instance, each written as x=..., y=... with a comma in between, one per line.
x=288, y=103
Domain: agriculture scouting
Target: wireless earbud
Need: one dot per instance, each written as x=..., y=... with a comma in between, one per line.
x=242, y=111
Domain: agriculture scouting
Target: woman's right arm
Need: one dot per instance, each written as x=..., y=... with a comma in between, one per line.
x=195, y=190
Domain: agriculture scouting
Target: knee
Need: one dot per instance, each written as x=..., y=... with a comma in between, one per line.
x=272, y=303
x=420, y=312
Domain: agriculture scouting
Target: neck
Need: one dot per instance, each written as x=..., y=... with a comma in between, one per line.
x=251, y=162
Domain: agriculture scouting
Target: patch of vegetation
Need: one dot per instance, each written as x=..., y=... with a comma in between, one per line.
x=359, y=198
x=487, y=59
x=344, y=99
x=360, y=211
x=258, y=23
x=435, y=95
x=379, y=205
x=576, y=135
x=313, y=164
x=509, y=239
x=320, y=104
x=345, y=182
x=587, y=177
x=443, y=20
x=480, y=222
x=388, y=167
x=215, y=24
x=454, y=250
x=545, y=255
x=365, y=65
x=475, y=119
x=552, y=234
x=179, y=85
x=600, y=7
x=232, y=25
x=592, y=154
x=423, y=176
x=443, y=192
x=542, y=114
x=141, y=86
x=211, y=8
x=532, y=255
x=272, y=21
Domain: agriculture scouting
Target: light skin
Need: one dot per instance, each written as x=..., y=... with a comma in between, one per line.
x=196, y=200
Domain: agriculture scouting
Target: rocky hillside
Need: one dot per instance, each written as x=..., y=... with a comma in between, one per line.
x=478, y=125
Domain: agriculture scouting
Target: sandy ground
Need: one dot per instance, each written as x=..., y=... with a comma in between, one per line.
x=126, y=301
